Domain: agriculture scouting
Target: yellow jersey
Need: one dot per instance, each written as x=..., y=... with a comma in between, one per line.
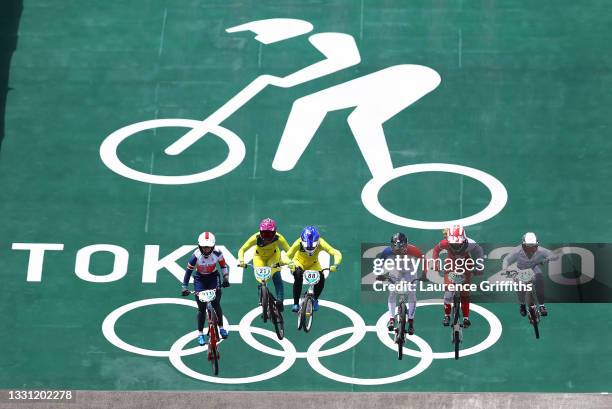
x=302, y=259
x=264, y=250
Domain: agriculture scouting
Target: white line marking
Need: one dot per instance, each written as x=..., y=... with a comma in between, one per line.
x=461, y=196
x=161, y=39
x=156, y=106
x=255, y=160
x=259, y=56
x=361, y=23
x=146, y=228
x=460, y=47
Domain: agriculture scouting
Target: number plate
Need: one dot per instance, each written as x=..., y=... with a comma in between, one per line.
x=456, y=278
x=207, y=295
x=311, y=277
x=263, y=273
x=526, y=276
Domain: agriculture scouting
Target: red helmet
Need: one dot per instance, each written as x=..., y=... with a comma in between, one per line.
x=457, y=240
x=267, y=228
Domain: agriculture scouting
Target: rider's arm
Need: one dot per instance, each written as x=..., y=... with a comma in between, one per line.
x=189, y=270
x=510, y=259
x=436, y=251
x=247, y=245
x=331, y=251
x=477, y=253
x=223, y=265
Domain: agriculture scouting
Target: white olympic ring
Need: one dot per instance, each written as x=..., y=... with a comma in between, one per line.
x=313, y=360
x=369, y=195
x=289, y=353
x=108, y=152
x=492, y=338
x=359, y=330
x=289, y=358
x=108, y=327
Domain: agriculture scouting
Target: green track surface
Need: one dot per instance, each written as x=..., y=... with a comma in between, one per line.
x=525, y=96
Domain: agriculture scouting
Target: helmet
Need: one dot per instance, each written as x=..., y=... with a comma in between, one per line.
x=267, y=229
x=309, y=239
x=457, y=240
x=530, y=243
x=398, y=240
x=206, y=243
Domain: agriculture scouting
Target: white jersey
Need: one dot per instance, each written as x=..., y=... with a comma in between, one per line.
x=519, y=257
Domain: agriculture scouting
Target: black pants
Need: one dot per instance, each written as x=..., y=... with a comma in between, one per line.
x=298, y=276
x=216, y=303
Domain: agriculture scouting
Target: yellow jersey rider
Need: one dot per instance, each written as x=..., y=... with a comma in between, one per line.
x=305, y=256
x=268, y=245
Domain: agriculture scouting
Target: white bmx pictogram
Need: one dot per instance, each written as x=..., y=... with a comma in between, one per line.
x=288, y=352
x=375, y=97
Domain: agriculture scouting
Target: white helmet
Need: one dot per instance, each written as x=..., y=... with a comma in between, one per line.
x=206, y=239
x=530, y=239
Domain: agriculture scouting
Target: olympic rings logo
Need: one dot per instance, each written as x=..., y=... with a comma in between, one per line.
x=288, y=352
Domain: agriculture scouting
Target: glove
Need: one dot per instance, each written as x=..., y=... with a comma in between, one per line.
x=225, y=283
x=241, y=264
x=381, y=277
x=333, y=268
x=185, y=292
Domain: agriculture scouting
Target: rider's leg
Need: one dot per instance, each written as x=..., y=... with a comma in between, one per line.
x=201, y=314
x=448, y=296
x=411, y=304
x=465, y=304
x=521, y=299
x=539, y=286
x=391, y=301
x=298, y=276
x=318, y=288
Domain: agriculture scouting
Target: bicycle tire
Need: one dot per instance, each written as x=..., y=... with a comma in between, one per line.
x=300, y=322
x=534, y=321
x=264, y=297
x=214, y=361
x=456, y=341
x=277, y=318
x=401, y=331
x=308, y=314
x=213, y=338
x=456, y=336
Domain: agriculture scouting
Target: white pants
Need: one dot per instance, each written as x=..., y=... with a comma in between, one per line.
x=410, y=296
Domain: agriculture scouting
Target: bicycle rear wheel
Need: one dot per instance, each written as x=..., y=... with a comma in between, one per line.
x=457, y=340
x=277, y=318
x=401, y=330
x=214, y=359
x=213, y=338
x=456, y=333
x=307, y=314
x=534, y=320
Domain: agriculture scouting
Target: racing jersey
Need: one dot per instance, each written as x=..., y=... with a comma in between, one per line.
x=519, y=256
x=299, y=256
x=264, y=250
x=205, y=266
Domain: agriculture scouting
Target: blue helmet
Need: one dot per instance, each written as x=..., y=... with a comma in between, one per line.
x=310, y=239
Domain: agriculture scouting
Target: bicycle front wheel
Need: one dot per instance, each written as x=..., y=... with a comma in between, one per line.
x=401, y=330
x=307, y=314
